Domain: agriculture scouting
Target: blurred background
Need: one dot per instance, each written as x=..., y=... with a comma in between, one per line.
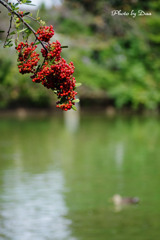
x=60, y=171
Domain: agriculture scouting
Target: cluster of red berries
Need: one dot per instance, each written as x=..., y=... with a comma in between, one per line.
x=54, y=51
x=27, y=57
x=45, y=33
x=54, y=73
x=20, y=13
x=58, y=77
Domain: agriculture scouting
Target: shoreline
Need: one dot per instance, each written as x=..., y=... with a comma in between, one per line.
x=109, y=111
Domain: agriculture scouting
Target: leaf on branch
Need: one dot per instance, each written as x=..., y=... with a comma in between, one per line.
x=64, y=46
x=9, y=40
x=37, y=43
x=26, y=13
x=76, y=101
x=74, y=108
x=78, y=84
x=37, y=14
x=17, y=25
x=14, y=6
x=28, y=32
x=12, y=33
x=8, y=43
x=28, y=3
x=22, y=30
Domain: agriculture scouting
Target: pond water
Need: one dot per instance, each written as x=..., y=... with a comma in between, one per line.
x=57, y=184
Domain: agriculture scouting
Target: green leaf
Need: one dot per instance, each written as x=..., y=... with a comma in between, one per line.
x=1, y=31
x=64, y=46
x=16, y=42
x=36, y=43
x=28, y=30
x=26, y=13
x=9, y=40
x=76, y=101
x=22, y=30
x=27, y=33
x=37, y=13
x=74, y=108
x=28, y=3
x=12, y=33
x=78, y=84
x=17, y=25
x=8, y=45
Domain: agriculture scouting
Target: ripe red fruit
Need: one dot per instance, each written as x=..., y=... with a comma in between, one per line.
x=54, y=72
x=45, y=33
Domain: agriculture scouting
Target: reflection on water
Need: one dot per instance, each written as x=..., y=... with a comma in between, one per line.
x=119, y=155
x=56, y=185
x=32, y=206
x=72, y=119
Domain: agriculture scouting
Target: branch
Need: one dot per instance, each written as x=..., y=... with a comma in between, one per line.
x=8, y=30
x=6, y=5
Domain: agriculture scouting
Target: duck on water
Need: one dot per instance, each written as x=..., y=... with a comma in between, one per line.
x=120, y=202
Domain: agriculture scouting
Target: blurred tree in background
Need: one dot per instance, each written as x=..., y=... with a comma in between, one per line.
x=116, y=57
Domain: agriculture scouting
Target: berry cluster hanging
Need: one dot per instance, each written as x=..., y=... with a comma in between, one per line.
x=54, y=73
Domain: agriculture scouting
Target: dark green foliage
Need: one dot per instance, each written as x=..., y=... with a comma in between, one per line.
x=97, y=6
x=153, y=26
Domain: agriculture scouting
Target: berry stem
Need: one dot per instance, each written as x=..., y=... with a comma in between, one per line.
x=6, y=5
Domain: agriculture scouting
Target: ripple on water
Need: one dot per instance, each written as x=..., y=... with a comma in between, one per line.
x=33, y=207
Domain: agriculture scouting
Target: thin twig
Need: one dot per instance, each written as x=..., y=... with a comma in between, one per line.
x=10, y=26
x=31, y=18
x=4, y=3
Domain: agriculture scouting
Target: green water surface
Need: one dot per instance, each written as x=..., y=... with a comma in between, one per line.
x=56, y=184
